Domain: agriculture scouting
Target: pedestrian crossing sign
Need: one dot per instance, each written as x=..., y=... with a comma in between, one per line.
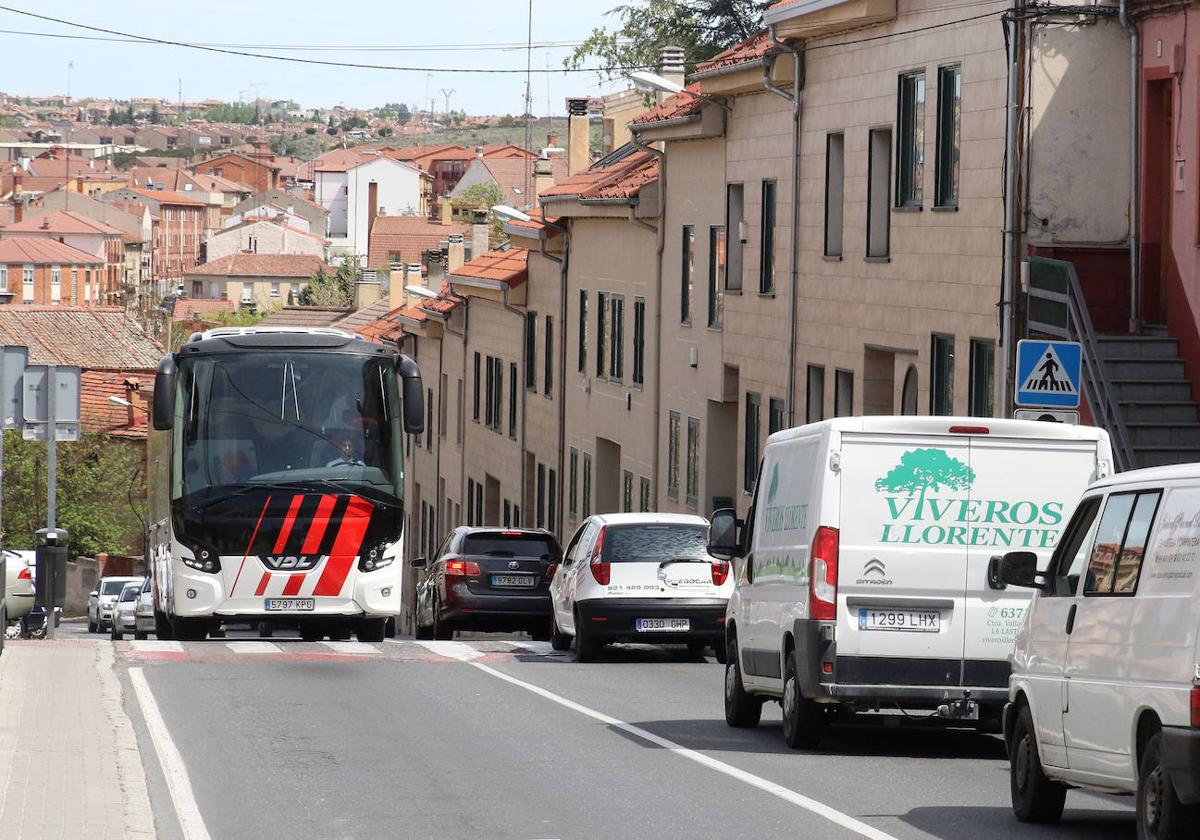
x=1048, y=374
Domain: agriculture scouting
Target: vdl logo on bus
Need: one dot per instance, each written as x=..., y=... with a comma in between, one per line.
x=291, y=562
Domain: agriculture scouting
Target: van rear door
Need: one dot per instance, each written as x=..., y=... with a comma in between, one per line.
x=901, y=567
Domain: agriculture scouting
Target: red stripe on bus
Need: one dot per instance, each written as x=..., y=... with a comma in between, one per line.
x=345, y=547
x=250, y=544
x=288, y=522
x=293, y=584
x=316, y=528
x=262, y=584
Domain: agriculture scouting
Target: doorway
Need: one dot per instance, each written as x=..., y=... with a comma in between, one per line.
x=1156, y=198
x=608, y=476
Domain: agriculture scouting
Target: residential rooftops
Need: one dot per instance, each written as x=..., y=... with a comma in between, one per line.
x=261, y=265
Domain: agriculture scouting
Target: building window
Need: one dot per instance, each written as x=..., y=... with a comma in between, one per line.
x=673, y=454
x=735, y=214
x=910, y=156
x=766, y=260
x=835, y=183
x=498, y=396
x=601, y=332
x=470, y=501
x=27, y=275
x=941, y=375
x=693, y=462
x=548, y=372
x=644, y=505
x=949, y=135
x=639, y=341
x=56, y=275
x=775, y=419
x=477, y=384
x=540, y=507
x=479, y=505
x=587, y=485
x=983, y=356
x=4, y=277
x=507, y=513
x=616, y=350
x=583, y=329
x=814, y=411
x=488, y=404
x=552, y=501
x=295, y=293
x=460, y=405
x=531, y=351
x=750, y=452
x=879, y=180
x=716, y=275
x=687, y=271
x=516, y=516
x=843, y=393
x=627, y=492
x=443, y=399
x=274, y=290
x=429, y=419
x=573, y=481
x=512, y=400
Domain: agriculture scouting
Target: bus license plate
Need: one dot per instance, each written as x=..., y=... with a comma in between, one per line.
x=290, y=605
x=526, y=581
x=912, y=621
x=662, y=625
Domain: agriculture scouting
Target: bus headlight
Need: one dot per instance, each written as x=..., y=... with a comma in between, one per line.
x=204, y=558
x=372, y=559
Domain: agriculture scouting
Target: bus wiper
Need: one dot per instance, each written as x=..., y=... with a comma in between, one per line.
x=249, y=488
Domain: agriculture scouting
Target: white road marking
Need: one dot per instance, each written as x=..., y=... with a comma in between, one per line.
x=361, y=648
x=253, y=647
x=786, y=794
x=174, y=770
x=461, y=651
x=156, y=646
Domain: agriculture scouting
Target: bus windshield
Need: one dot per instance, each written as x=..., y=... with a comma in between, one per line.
x=284, y=417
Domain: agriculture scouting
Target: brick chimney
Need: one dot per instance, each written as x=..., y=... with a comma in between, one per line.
x=456, y=253
x=372, y=205
x=480, y=233
x=671, y=68
x=579, y=140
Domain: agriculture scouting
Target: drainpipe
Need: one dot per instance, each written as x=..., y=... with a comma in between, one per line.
x=1008, y=271
x=563, y=262
x=794, y=282
x=658, y=308
x=524, y=396
x=1135, y=185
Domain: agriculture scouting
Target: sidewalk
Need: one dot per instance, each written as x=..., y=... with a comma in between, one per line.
x=69, y=761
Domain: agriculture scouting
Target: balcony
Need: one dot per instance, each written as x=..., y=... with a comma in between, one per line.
x=810, y=18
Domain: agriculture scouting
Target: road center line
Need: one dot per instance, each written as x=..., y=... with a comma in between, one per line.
x=786, y=794
x=174, y=770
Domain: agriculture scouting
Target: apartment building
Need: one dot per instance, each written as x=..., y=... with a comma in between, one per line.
x=45, y=272
x=355, y=187
x=263, y=236
x=265, y=281
x=102, y=241
x=179, y=232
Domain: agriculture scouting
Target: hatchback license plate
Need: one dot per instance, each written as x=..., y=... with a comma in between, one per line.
x=525, y=581
x=290, y=604
x=663, y=625
x=911, y=621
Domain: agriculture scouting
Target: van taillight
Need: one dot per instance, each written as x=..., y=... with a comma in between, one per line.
x=720, y=571
x=24, y=575
x=1196, y=706
x=462, y=568
x=970, y=430
x=823, y=573
x=602, y=572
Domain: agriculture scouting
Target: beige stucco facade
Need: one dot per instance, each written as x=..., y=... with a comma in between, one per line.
x=263, y=237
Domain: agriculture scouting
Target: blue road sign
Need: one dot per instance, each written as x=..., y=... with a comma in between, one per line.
x=1048, y=374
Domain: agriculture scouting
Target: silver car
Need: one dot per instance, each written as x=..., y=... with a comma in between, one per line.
x=18, y=587
x=133, y=612
x=102, y=600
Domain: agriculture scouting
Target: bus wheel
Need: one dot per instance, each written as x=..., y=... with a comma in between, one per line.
x=312, y=632
x=371, y=629
x=191, y=629
x=340, y=634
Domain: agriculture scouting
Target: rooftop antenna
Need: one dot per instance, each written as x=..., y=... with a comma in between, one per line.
x=447, y=93
x=70, y=67
x=528, y=96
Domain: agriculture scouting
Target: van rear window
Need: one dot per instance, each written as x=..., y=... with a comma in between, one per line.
x=654, y=543
x=498, y=544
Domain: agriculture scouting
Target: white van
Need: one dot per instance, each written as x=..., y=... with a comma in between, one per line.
x=869, y=571
x=1105, y=689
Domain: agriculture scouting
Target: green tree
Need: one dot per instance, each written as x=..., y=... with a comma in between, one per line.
x=482, y=196
x=155, y=116
x=332, y=291
x=702, y=28
x=98, y=480
x=926, y=469
x=403, y=114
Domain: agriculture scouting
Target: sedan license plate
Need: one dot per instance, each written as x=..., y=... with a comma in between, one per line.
x=662, y=625
x=290, y=604
x=911, y=621
x=525, y=581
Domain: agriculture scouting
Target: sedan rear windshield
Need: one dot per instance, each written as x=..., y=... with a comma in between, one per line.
x=131, y=593
x=654, y=543
x=510, y=545
x=112, y=587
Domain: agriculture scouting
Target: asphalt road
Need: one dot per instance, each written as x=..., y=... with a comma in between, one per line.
x=507, y=740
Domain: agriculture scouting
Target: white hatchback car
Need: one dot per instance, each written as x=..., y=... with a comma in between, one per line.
x=18, y=586
x=640, y=577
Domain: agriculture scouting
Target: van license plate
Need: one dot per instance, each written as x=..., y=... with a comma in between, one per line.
x=662, y=625
x=290, y=605
x=911, y=621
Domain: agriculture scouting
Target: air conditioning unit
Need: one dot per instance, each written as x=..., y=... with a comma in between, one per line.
x=694, y=356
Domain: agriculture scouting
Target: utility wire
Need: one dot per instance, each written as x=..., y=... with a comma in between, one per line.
x=311, y=61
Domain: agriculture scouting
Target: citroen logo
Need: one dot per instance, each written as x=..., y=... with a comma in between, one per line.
x=875, y=566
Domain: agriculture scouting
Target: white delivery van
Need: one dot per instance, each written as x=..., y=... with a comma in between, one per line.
x=1105, y=686
x=869, y=563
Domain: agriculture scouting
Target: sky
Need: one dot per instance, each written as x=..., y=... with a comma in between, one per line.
x=125, y=70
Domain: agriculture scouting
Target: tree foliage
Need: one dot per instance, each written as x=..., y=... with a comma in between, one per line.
x=97, y=477
x=702, y=28
x=332, y=291
x=481, y=196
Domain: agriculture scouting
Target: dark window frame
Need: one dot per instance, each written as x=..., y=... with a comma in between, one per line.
x=812, y=373
x=948, y=157
x=941, y=380
x=876, y=203
x=733, y=279
x=985, y=379
x=687, y=273
x=843, y=379
x=768, y=219
x=583, y=331
x=832, y=205
x=718, y=252
x=548, y=368
x=751, y=448
x=910, y=139
x=639, y=341
x=673, y=436
x=531, y=319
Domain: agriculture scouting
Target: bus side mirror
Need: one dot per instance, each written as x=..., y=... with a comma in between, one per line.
x=723, y=534
x=412, y=391
x=163, y=407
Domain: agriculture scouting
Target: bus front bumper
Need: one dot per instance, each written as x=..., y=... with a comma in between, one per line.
x=373, y=595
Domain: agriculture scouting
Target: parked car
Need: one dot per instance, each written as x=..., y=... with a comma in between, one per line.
x=639, y=577
x=125, y=617
x=868, y=565
x=18, y=587
x=490, y=579
x=1105, y=690
x=101, y=601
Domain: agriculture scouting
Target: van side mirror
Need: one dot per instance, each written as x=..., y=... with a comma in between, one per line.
x=723, y=534
x=412, y=391
x=163, y=407
x=418, y=563
x=1019, y=568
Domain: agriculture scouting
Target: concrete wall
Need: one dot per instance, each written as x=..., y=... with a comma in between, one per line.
x=271, y=239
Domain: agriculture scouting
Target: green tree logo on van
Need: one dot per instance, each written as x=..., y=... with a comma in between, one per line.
x=926, y=469
x=774, y=488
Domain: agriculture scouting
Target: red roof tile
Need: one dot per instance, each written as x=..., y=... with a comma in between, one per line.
x=41, y=250
x=61, y=221
x=752, y=49
x=167, y=197
x=673, y=108
x=90, y=337
x=261, y=265
x=202, y=309
x=407, y=236
x=624, y=179
x=509, y=267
